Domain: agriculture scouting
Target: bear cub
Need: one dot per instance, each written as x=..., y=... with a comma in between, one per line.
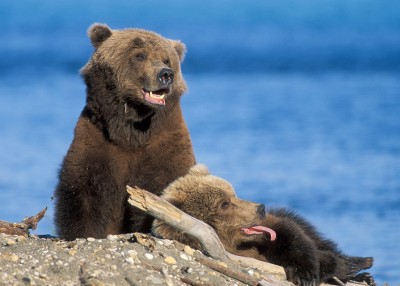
x=278, y=236
x=131, y=132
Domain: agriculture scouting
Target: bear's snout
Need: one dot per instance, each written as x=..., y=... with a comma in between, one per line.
x=166, y=76
x=261, y=210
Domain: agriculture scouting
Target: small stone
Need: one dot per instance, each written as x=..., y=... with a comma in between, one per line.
x=251, y=272
x=9, y=241
x=43, y=276
x=132, y=253
x=184, y=256
x=156, y=280
x=112, y=237
x=113, y=267
x=90, y=239
x=204, y=279
x=130, y=260
x=160, y=242
x=10, y=257
x=107, y=256
x=149, y=256
x=186, y=270
x=72, y=252
x=167, y=242
x=188, y=250
x=21, y=238
x=27, y=280
x=170, y=260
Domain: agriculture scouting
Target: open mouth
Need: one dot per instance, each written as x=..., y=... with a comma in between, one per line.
x=259, y=229
x=155, y=97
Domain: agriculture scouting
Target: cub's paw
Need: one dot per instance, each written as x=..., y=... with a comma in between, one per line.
x=363, y=277
x=302, y=276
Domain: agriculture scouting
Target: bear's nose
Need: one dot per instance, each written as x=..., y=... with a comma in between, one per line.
x=261, y=210
x=166, y=76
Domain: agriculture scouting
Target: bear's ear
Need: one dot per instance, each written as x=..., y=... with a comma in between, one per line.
x=180, y=49
x=98, y=33
x=199, y=170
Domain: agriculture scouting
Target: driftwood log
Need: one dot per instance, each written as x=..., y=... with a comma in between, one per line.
x=163, y=210
x=21, y=228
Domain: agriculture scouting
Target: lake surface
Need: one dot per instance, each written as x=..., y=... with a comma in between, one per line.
x=296, y=105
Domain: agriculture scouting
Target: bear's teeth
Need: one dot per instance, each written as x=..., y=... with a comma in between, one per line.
x=157, y=96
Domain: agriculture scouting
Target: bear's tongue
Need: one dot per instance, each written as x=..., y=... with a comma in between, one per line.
x=258, y=229
x=154, y=98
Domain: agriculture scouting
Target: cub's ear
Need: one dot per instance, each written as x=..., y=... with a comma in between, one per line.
x=98, y=33
x=180, y=49
x=199, y=170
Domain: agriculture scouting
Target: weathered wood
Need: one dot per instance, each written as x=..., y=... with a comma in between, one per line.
x=23, y=227
x=163, y=210
x=240, y=276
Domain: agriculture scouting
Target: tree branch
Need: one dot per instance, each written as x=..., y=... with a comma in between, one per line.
x=23, y=227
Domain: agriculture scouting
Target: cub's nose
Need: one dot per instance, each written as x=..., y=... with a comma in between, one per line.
x=261, y=210
x=166, y=76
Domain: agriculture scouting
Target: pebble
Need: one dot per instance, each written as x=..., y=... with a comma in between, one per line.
x=251, y=272
x=184, y=256
x=10, y=257
x=112, y=237
x=90, y=239
x=149, y=256
x=170, y=260
x=113, y=267
x=130, y=260
x=9, y=241
x=156, y=280
x=107, y=256
x=21, y=238
x=72, y=252
x=204, y=279
x=132, y=253
x=167, y=242
x=188, y=250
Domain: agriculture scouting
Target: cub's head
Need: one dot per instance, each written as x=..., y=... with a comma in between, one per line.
x=133, y=73
x=212, y=200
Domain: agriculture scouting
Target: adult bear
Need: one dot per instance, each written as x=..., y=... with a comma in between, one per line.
x=131, y=132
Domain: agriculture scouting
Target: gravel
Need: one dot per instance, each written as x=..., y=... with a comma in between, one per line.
x=130, y=259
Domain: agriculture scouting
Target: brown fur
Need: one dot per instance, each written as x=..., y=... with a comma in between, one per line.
x=121, y=138
x=307, y=257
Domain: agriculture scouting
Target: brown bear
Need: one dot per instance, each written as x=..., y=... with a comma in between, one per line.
x=278, y=236
x=130, y=132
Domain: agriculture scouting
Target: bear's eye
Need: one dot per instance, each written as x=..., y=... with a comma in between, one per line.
x=166, y=62
x=140, y=56
x=225, y=204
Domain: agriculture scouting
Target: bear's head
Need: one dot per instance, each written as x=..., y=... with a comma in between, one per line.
x=133, y=75
x=213, y=200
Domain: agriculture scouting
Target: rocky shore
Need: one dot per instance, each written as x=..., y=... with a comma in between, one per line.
x=131, y=259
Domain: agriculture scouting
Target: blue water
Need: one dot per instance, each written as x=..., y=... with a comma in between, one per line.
x=296, y=103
